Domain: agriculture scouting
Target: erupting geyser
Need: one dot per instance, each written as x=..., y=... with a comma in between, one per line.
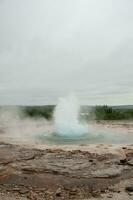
x=66, y=116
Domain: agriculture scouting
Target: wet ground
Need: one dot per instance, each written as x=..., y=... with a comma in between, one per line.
x=40, y=171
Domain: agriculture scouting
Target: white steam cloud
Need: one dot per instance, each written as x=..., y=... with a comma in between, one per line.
x=66, y=118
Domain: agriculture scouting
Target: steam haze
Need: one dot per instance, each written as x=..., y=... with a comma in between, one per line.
x=51, y=48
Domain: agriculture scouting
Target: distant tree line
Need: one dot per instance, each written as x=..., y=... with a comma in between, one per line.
x=97, y=112
x=39, y=111
x=109, y=113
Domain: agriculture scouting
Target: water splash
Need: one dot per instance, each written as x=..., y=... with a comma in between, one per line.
x=66, y=116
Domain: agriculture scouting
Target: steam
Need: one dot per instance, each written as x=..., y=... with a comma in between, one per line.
x=66, y=116
x=14, y=126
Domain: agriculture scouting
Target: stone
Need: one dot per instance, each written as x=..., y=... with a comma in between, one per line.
x=110, y=195
x=130, y=193
x=58, y=192
x=130, y=162
x=129, y=188
x=23, y=191
x=73, y=191
x=109, y=172
x=123, y=161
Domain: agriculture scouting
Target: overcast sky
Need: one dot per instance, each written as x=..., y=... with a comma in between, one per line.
x=49, y=48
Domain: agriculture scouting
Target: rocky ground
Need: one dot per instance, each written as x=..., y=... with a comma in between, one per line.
x=57, y=173
x=33, y=170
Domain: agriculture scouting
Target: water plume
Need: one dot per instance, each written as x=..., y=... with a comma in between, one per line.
x=66, y=117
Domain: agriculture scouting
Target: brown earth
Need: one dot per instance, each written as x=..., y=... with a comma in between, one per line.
x=56, y=173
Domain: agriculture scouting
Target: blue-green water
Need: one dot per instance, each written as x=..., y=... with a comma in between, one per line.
x=89, y=138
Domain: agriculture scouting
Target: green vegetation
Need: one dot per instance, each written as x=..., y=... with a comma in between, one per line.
x=109, y=113
x=98, y=112
x=39, y=111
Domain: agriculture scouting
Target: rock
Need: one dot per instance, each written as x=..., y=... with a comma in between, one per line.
x=58, y=192
x=114, y=189
x=129, y=188
x=73, y=191
x=123, y=161
x=130, y=193
x=130, y=162
x=110, y=196
x=23, y=191
x=106, y=173
x=16, y=189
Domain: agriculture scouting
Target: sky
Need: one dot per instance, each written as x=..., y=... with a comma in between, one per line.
x=52, y=48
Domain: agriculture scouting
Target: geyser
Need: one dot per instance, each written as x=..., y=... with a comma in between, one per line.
x=66, y=117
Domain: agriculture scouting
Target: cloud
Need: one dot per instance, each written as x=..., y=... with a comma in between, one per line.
x=57, y=46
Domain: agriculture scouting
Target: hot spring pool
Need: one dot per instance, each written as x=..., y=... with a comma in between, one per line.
x=99, y=137
x=68, y=129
